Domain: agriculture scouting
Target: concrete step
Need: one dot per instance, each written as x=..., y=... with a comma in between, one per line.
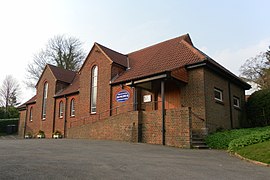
x=200, y=146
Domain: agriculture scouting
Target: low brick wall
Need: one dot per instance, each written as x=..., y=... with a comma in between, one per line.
x=122, y=127
x=177, y=126
x=145, y=124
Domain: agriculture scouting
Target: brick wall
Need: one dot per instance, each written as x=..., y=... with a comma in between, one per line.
x=122, y=127
x=21, y=123
x=193, y=95
x=121, y=107
x=95, y=58
x=177, y=126
x=218, y=114
x=60, y=121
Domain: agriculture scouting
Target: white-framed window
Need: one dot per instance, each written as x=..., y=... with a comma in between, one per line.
x=218, y=94
x=236, y=102
x=44, y=104
x=72, y=107
x=31, y=114
x=61, y=109
x=93, y=90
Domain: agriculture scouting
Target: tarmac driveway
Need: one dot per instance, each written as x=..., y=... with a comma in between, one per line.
x=88, y=159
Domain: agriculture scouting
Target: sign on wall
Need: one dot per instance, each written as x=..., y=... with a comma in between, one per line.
x=147, y=98
x=122, y=96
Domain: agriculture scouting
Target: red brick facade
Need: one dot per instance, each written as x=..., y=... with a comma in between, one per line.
x=189, y=97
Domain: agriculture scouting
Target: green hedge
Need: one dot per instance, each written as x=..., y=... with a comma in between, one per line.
x=247, y=140
x=221, y=140
x=5, y=122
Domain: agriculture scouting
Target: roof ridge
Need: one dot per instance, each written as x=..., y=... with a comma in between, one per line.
x=54, y=66
x=182, y=37
x=109, y=49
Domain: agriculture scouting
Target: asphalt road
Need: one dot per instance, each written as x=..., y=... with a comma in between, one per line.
x=88, y=159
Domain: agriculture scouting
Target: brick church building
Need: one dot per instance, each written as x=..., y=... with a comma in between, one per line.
x=162, y=94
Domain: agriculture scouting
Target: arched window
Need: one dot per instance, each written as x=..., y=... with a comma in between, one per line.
x=61, y=109
x=94, y=79
x=72, y=107
x=31, y=114
x=45, y=95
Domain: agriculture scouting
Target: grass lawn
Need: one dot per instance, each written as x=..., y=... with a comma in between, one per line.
x=258, y=152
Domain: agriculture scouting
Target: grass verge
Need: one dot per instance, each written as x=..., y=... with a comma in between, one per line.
x=258, y=152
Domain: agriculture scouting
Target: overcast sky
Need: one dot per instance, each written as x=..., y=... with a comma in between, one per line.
x=228, y=31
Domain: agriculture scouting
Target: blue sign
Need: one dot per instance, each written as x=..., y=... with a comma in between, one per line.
x=122, y=96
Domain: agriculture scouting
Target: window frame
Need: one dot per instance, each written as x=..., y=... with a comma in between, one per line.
x=72, y=107
x=44, y=100
x=220, y=93
x=31, y=114
x=238, y=102
x=94, y=89
x=61, y=109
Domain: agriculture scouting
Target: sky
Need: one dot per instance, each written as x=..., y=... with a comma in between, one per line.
x=228, y=31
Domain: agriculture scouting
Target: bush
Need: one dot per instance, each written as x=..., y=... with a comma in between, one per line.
x=258, y=108
x=221, y=140
x=247, y=140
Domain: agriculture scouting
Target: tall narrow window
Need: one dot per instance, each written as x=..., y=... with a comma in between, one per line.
x=72, y=107
x=94, y=89
x=31, y=114
x=61, y=107
x=45, y=95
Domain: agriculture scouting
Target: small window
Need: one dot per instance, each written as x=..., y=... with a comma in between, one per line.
x=236, y=102
x=72, y=107
x=31, y=114
x=218, y=95
x=61, y=111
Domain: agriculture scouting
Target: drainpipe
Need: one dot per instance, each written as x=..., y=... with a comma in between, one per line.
x=134, y=99
x=163, y=111
x=65, y=119
x=25, y=122
x=230, y=104
x=54, y=106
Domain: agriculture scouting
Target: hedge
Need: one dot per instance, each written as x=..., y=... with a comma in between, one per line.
x=5, y=122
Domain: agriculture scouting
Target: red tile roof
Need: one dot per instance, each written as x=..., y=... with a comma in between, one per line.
x=72, y=88
x=30, y=101
x=164, y=56
x=114, y=56
x=62, y=74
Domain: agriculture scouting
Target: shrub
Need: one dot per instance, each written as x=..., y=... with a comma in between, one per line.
x=221, y=140
x=258, y=108
x=247, y=140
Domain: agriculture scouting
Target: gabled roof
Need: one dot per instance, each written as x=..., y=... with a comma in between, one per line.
x=62, y=74
x=116, y=57
x=161, y=57
x=72, y=88
x=59, y=73
x=30, y=101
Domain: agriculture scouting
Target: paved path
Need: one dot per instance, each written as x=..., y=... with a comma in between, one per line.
x=87, y=159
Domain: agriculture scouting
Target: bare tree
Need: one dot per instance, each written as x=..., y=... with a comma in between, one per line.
x=257, y=70
x=9, y=92
x=61, y=51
